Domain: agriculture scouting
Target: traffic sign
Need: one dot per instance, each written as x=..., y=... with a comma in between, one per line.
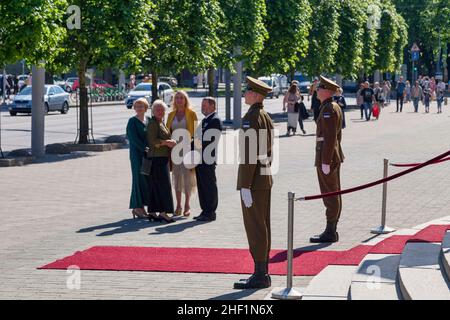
x=415, y=48
x=415, y=55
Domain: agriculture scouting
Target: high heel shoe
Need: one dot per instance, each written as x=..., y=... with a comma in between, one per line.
x=187, y=213
x=154, y=217
x=178, y=212
x=164, y=217
x=138, y=214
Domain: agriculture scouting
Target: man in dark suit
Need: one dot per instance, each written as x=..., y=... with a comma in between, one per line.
x=207, y=138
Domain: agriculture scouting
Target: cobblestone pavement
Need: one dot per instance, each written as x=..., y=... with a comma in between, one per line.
x=51, y=209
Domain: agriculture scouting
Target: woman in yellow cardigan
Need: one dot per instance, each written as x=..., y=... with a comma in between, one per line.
x=182, y=117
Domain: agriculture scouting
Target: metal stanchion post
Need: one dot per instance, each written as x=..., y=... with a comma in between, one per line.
x=383, y=229
x=289, y=293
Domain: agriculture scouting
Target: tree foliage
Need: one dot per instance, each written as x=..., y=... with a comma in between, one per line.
x=288, y=23
x=31, y=30
x=243, y=28
x=323, y=38
x=352, y=22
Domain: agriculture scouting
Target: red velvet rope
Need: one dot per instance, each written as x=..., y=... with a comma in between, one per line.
x=369, y=185
x=416, y=164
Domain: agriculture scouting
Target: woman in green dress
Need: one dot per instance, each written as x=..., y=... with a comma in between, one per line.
x=137, y=136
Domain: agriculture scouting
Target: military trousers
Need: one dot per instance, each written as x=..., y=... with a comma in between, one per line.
x=257, y=225
x=331, y=183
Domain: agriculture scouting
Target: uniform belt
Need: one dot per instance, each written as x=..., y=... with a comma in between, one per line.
x=320, y=139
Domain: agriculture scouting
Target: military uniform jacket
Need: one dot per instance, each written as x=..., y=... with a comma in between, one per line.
x=255, y=175
x=329, y=134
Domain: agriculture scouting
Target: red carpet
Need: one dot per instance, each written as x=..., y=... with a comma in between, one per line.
x=234, y=261
x=395, y=244
x=195, y=260
x=433, y=233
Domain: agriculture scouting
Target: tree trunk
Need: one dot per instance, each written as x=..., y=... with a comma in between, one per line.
x=154, y=86
x=84, y=114
x=211, y=81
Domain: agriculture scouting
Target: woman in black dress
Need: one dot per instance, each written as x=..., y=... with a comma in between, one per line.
x=160, y=144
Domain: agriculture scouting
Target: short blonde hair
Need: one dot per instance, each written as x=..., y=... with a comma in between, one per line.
x=141, y=101
x=157, y=103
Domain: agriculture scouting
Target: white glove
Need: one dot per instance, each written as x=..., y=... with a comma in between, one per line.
x=326, y=169
x=246, y=196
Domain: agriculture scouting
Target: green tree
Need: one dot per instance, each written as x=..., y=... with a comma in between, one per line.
x=31, y=30
x=391, y=39
x=323, y=38
x=352, y=23
x=113, y=32
x=288, y=24
x=243, y=28
x=370, y=36
x=427, y=20
x=185, y=37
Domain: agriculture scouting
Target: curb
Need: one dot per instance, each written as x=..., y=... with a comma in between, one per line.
x=99, y=147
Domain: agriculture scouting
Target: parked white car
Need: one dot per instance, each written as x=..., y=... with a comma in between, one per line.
x=144, y=90
x=275, y=84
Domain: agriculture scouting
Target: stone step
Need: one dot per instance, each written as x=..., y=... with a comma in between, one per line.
x=332, y=283
x=445, y=254
x=420, y=276
x=375, y=278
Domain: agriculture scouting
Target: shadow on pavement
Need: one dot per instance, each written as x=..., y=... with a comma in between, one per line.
x=298, y=135
x=62, y=157
x=282, y=256
x=119, y=227
x=178, y=226
x=235, y=295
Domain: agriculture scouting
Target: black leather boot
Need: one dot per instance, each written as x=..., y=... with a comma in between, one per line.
x=328, y=236
x=260, y=279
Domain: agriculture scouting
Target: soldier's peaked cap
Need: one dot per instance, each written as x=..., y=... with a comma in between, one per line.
x=328, y=84
x=259, y=86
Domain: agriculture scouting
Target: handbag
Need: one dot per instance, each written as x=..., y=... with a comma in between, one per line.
x=146, y=167
x=304, y=113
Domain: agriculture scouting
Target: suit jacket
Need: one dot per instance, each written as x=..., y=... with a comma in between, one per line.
x=211, y=122
x=329, y=134
x=255, y=175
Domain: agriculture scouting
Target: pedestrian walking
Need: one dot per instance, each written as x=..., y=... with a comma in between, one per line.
x=329, y=157
x=184, y=181
x=291, y=99
x=380, y=97
x=255, y=183
x=340, y=100
x=136, y=133
x=408, y=92
x=400, y=91
x=387, y=92
x=160, y=144
x=369, y=99
x=427, y=98
x=416, y=95
x=302, y=113
x=360, y=99
x=208, y=134
x=315, y=102
x=440, y=94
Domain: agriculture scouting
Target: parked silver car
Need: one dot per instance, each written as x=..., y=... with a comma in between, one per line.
x=55, y=99
x=144, y=90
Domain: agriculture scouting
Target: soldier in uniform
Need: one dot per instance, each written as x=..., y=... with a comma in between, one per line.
x=255, y=182
x=329, y=157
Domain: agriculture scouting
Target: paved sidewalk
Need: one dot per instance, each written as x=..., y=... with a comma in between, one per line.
x=50, y=210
